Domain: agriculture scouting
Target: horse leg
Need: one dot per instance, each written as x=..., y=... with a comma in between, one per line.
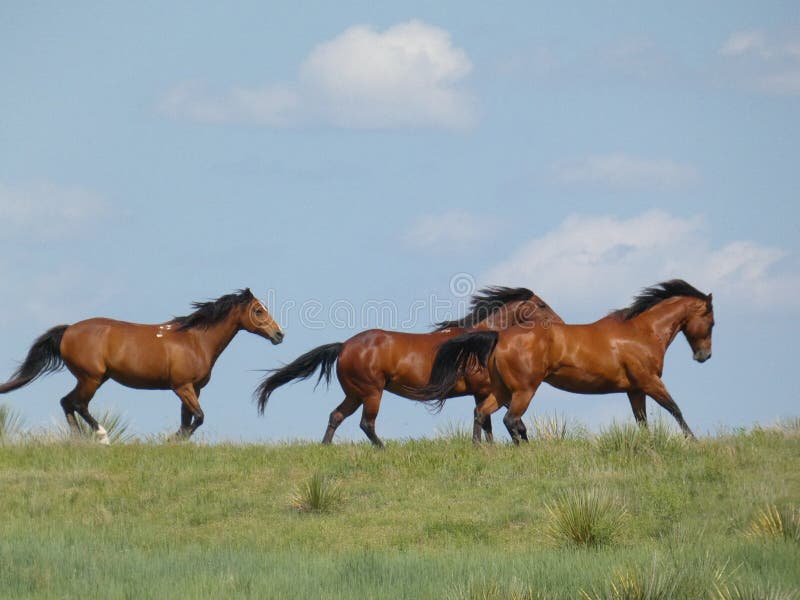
x=372, y=405
x=483, y=419
x=638, y=401
x=186, y=422
x=483, y=422
x=68, y=405
x=339, y=414
x=520, y=400
x=658, y=392
x=84, y=392
x=191, y=405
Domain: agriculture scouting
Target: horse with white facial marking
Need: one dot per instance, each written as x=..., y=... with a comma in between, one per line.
x=177, y=355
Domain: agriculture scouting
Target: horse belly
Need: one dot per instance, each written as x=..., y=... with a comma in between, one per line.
x=581, y=382
x=140, y=368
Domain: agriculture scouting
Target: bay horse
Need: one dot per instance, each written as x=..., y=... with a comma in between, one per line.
x=377, y=360
x=177, y=355
x=623, y=352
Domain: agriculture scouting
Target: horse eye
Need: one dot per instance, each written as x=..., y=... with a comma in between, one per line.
x=259, y=311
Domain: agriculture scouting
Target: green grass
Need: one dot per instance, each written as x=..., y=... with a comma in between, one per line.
x=421, y=519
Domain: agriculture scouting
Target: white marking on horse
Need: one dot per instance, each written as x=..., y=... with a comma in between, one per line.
x=103, y=435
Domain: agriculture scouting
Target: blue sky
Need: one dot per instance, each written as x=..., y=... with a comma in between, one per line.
x=337, y=157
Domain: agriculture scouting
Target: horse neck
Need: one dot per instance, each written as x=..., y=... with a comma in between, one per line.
x=215, y=338
x=501, y=318
x=667, y=318
x=508, y=316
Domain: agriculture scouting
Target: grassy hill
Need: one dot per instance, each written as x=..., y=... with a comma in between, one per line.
x=421, y=519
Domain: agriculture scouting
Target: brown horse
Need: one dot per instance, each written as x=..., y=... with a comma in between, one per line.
x=623, y=352
x=177, y=355
x=377, y=360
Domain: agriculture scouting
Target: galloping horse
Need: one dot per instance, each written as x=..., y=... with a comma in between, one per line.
x=177, y=355
x=377, y=360
x=623, y=352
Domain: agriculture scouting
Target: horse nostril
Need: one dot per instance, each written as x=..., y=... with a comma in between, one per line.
x=279, y=335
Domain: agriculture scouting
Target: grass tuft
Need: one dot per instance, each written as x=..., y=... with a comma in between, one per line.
x=10, y=423
x=754, y=590
x=630, y=585
x=557, y=427
x=490, y=589
x=114, y=423
x=585, y=518
x=454, y=431
x=774, y=522
x=632, y=439
x=318, y=495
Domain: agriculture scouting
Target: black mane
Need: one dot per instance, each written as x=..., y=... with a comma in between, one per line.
x=208, y=313
x=484, y=304
x=656, y=294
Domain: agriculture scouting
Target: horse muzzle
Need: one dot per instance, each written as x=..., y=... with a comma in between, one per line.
x=277, y=337
x=702, y=356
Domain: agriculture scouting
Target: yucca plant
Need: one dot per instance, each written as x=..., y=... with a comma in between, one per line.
x=781, y=522
x=556, y=427
x=317, y=494
x=495, y=590
x=114, y=423
x=10, y=423
x=633, y=439
x=790, y=426
x=586, y=518
x=629, y=585
x=454, y=431
x=752, y=591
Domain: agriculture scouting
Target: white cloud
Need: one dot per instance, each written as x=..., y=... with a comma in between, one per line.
x=623, y=170
x=602, y=261
x=744, y=42
x=457, y=229
x=407, y=75
x=762, y=63
x=45, y=210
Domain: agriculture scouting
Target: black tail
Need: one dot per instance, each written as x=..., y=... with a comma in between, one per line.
x=44, y=357
x=301, y=368
x=453, y=360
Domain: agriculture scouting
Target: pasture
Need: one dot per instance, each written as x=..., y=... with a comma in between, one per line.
x=431, y=518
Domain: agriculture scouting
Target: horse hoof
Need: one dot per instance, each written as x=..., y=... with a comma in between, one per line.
x=102, y=435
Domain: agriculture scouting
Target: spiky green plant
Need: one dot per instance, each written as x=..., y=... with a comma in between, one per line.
x=586, y=518
x=781, y=522
x=10, y=423
x=114, y=423
x=632, y=439
x=557, y=427
x=318, y=494
x=491, y=589
x=630, y=585
x=789, y=426
x=454, y=431
x=752, y=591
